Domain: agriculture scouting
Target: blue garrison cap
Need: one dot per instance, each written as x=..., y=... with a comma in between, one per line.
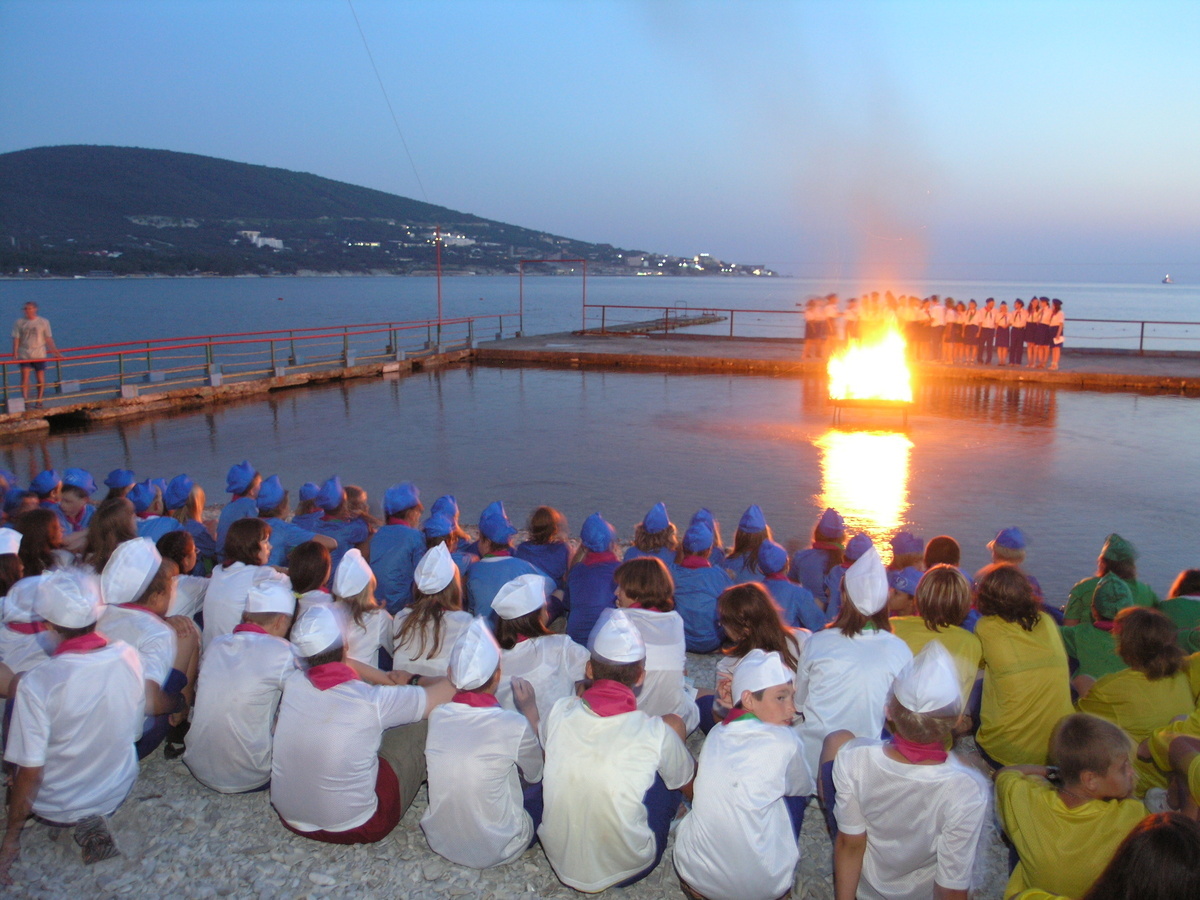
x=239, y=477
x=80, y=478
x=309, y=491
x=907, y=542
x=859, y=544
x=656, y=520
x=437, y=526
x=596, y=534
x=331, y=494
x=445, y=505
x=45, y=482
x=177, y=492
x=270, y=494
x=905, y=579
x=831, y=524
x=697, y=538
x=400, y=497
x=772, y=558
x=141, y=495
x=494, y=524
x=1010, y=539
x=160, y=483
x=13, y=498
x=10, y=477
x=704, y=516
x=120, y=478
x=753, y=521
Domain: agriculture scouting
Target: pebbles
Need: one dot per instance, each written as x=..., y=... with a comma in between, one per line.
x=180, y=839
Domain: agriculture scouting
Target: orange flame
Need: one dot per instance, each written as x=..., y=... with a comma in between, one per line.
x=872, y=369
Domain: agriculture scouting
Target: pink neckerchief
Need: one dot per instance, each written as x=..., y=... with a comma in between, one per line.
x=778, y=576
x=918, y=753
x=1104, y=625
x=330, y=675
x=736, y=715
x=696, y=562
x=330, y=517
x=27, y=627
x=636, y=605
x=475, y=698
x=496, y=554
x=93, y=640
x=595, y=558
x=609, y=698
x=146, y=515
x=249, y=627
x=140, y=608
x=397, y=520
x=77, y=519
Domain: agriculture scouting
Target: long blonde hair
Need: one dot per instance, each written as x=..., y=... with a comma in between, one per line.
x=430, y=608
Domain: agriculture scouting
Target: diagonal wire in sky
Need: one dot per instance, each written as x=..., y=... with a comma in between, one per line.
x=387, y=100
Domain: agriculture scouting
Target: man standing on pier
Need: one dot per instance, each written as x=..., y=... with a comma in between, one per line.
x=32, y=345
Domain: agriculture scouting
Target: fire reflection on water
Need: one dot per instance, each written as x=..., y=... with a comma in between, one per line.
x=864, y=475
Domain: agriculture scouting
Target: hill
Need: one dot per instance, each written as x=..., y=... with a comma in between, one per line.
x=126, y=210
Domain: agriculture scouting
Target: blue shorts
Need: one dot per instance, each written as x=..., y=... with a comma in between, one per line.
x=38, y=365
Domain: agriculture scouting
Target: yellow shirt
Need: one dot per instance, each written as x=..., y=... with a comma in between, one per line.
x=1025, y=689
x=1062, y=850
x=1193, y=669
x=1035, y=894
x=963, y=646
x=1159, y=745
x=1138, y=706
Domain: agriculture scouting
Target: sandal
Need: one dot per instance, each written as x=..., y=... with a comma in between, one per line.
x=174, y=741
x=94, y=836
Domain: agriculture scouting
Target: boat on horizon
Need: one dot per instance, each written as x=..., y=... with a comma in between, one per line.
x=1167, y=280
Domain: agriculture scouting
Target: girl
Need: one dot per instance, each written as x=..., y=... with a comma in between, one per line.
x=971, y=333
x=1025, y=687
x=147, y=500
x=954, y=327
x=336, y=521
x=366, y=625
x=552, y=663
x=809, y=567
x=188, y=596
x=42, y=542
x=1182, y=607
x=1003, y=323
x=309, y=570
x=716, y=555
x=591, y=588
x=247, y=548
x=547, y=547
x=752, y=622
x=645, y=591
x=1016, y=335
x=697, y=586
x=118, y=482
x=439, y=529
x=742, y=562
x=184, y=499
x=113, y=524
x=358, y=506
x=24, y=641
x=1057, y=326
x=424, y=632
x=655, y=535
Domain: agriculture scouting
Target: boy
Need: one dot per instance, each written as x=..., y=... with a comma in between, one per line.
x=74, y=509
x=336, y=522
x=148, y=504
x=739, y=841
x=613, y=774
x=243, y=482
x=496, y=566
x=477, y=813
x=398, y=546
x=272, y=502
x=1066, y=835
x=796, y=604
x=229, y=744
x=911, y=818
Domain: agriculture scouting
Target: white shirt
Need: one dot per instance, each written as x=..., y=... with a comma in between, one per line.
x=21, y=652
x=551, y=664
x=363, y=642
x=665, y=690
x=937, y=315
x=598, y=768
x=404, y=657
x=737, y=843
x=924, y=824
x=237, y=694
x=325, y=758
x=150, y=636
x=475, y=816
x=189, y=595
x=77, y=715
x=843, y=683
x=225, y=600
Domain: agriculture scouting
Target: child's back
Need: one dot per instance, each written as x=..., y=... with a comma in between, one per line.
x=552, y=664
x=665, y=690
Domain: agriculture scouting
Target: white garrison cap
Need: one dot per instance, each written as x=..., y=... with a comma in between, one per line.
x=315, y=631
x=19, y=604
x=522, y=595
x=616, y=639
x=10, y=540
x=867, y=584
x=435, y=570
x=474, y=657
x=353, y=574
x=129, y=570
x=69, y=598
x=271, y=596
x=929, y=681
x=759, y=670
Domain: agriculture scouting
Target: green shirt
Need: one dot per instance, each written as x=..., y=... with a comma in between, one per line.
x=1079, y=601
x=1185, y=613
x=1095, y=648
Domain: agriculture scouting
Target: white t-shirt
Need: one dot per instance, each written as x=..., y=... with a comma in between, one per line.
x=665, y=690
x=843, y=683
x=363, y=642
x=225, y=599
x=404, y=657
x=237, y=695
x=551, y=664
x=475, y=816
x=325, y=759
x=20, y=651
x=150, y=636
x=598, y=768
x=309, y=599
x=78, y=714
x=924, y=824
x=189, y=595
x=737, y=843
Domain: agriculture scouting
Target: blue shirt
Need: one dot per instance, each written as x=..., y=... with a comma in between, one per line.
x=551, y=558
x=590, y=590
x=241, y=508
x=206, y=546
x=347, y=532
x=740, y=571
x=69, y=527
x=488, y=575
x=285, y=537
x=796, y=603
x=156, y=526
x=395, y=552
x=666, y=554
x=809, y=568
x=696, y=592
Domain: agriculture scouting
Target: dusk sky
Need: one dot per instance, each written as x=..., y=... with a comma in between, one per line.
x=953, y=139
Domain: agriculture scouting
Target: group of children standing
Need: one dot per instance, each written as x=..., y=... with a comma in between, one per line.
x=540, y=689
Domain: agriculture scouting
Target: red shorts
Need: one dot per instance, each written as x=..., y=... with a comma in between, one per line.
x=379, y=826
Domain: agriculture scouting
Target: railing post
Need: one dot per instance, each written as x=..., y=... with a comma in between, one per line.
x=57, y=371
x=292, y=345
x=4, y=380
x=1142, y=339
x=471, y=331
x=272, y=355
x=208, y=354
x=120, y=370
x=147, y=357
x=345, y=346
x=604, y=319
x=731, y=323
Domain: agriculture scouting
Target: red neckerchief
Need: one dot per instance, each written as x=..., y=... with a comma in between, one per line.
x=828, y=545
x=522, y=638
x=139, y=607
x=249, y=627
x=145, y=515
x=918, y=753
x=330, y=675
x=397, y=520
x=594, y=558
x=93, y=640
x=497, y=553
x=475, y=698
x=330, y=517
x=77, y=520
x=27, y=627
x=636, y=605
x=696, y=562
x=1104, y=625
x=778, y=576
x=610, y=698
x=736, y=714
